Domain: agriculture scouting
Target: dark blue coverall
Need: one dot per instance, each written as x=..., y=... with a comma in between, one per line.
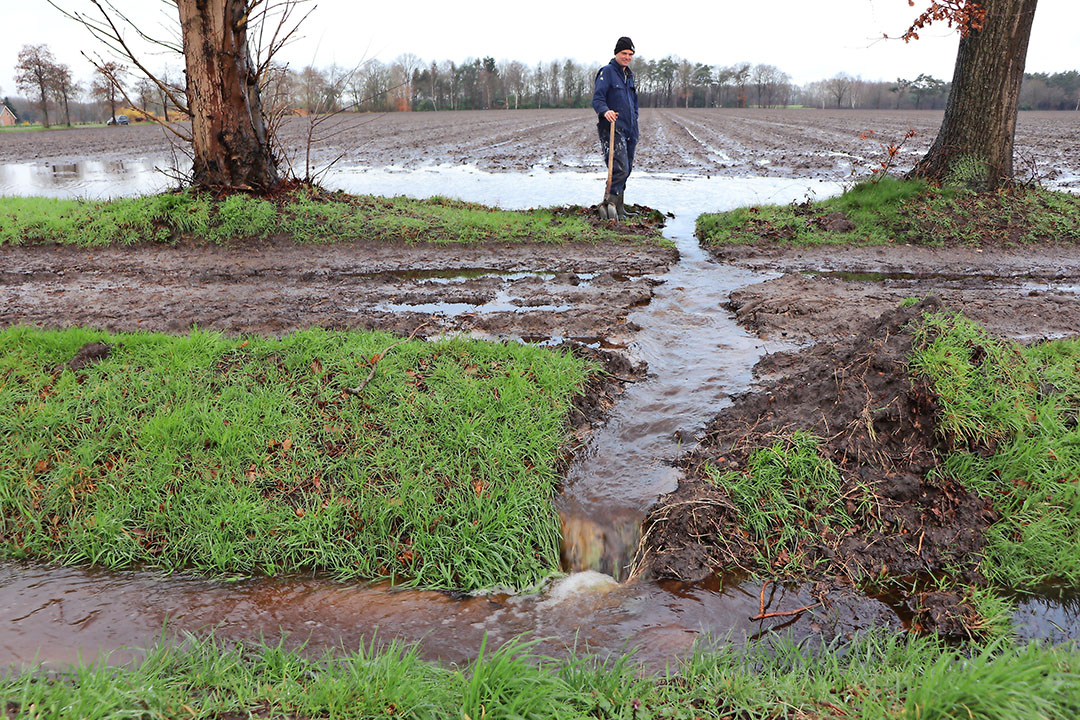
x=615, y=90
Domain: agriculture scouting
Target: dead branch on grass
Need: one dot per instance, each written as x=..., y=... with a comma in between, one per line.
x=375, y=360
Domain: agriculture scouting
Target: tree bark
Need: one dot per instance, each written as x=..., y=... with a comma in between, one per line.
x=229, y=140
x=980, y=116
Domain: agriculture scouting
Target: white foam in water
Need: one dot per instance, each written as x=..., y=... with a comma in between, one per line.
x=587, y=582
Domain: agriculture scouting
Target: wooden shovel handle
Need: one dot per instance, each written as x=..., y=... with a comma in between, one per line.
x=610, y=161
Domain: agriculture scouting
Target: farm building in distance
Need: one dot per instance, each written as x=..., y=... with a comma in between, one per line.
x=7, y=115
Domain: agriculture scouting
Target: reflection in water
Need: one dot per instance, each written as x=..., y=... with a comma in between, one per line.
x=87, y=179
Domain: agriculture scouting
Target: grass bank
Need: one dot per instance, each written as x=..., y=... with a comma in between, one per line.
x=1002, y=422
x=304, y=215
x=1009, y=414
x=899, y=211
x=873, y=677
x=248, y=455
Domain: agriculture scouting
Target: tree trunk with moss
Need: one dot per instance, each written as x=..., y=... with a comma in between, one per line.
x=229, y=141
x=975, y=143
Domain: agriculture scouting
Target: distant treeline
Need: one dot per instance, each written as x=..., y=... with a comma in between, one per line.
x=409, y=83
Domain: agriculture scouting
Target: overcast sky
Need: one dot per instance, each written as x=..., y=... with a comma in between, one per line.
x=808, y=39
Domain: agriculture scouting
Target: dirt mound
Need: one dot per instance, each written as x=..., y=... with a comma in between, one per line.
x=645, y=221
x=876, y=426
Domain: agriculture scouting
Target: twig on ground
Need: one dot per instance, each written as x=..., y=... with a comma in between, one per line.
x=375, y=362
x=785, y=613
x=762, y=615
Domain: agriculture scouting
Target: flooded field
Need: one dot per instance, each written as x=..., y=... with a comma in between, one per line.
x=815, y=144
x=700, y=323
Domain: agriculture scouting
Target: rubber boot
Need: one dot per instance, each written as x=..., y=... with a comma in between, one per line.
x=609, y=210
x=620, y=208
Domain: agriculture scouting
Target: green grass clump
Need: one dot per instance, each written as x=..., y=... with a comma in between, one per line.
x=247, y=456
x=303, y=215
x=905, y=211
x=788, y=496
x=1011, y=415
x=873, y=677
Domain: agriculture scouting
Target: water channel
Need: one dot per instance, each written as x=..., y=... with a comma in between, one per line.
x=697, y=356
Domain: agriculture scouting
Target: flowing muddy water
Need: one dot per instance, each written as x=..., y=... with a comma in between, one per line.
x=697, y=355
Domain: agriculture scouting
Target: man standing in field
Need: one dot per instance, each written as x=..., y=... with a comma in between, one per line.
x=615, y=101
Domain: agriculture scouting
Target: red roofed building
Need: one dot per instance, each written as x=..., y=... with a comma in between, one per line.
x=7, y=116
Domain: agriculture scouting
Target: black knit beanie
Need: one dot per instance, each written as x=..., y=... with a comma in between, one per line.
x=624, y=43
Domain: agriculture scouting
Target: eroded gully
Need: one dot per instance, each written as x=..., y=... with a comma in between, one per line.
x=697, y=358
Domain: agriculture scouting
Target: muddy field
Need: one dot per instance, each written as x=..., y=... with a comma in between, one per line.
x=581, y=292
x=808, y=309
x=828, y=144
x=538, y=293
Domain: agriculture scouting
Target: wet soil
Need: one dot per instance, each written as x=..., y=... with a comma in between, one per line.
x=540, y=293
x=825, y=294
x=830, y=144
x=827, y=299
x=877, y=427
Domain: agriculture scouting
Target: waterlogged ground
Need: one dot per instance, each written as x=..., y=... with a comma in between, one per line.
x=700, y=321
x=811, y=143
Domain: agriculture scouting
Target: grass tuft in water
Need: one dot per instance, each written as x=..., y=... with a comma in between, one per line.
x=787, y=498
x=247, y=455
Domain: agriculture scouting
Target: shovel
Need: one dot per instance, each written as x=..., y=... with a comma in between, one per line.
x=607, y=209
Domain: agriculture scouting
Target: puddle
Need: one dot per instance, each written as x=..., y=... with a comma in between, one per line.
x=1020, y=282
x=697, y=357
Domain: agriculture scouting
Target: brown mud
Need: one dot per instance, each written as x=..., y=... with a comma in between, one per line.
x=877, y=426
x=826, y=298
x=824, y=294
x=829, y=144
x=541, y=293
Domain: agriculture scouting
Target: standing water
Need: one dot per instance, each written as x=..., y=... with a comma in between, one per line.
x=696, y=354
x=697, y=358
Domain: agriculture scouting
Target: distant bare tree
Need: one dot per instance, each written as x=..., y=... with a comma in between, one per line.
x=33, y=70
x=108, y=84
x=62, y=87
x=144, y=93
x=514, y=74
x=553, y=83
x=684, y=73
x=769, y=81
x=408, y=64
x=310, y=88
x=740, y=76
x=838, y=87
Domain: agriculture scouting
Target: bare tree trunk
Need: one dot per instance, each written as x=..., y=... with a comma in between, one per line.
x=44, y=104
x=229, y=140
x=980, y=116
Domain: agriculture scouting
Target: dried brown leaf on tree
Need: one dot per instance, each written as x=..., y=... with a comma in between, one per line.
x=965, y=15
